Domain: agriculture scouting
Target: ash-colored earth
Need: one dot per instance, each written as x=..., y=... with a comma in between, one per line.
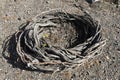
x=103, y=67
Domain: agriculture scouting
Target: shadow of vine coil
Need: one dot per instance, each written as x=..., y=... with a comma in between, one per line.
x=54, y=40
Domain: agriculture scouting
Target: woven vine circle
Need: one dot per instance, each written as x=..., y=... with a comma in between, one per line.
x=54, y=40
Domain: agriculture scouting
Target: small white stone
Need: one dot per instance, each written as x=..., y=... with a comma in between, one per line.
x=29, y=64
x=107, y=57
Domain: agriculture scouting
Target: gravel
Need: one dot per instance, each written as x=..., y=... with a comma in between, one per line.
x=103, y=67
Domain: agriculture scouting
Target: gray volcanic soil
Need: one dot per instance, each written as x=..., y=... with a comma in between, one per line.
x=103, y=67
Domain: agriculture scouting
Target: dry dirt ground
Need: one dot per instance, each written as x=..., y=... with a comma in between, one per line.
x=103, y=67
